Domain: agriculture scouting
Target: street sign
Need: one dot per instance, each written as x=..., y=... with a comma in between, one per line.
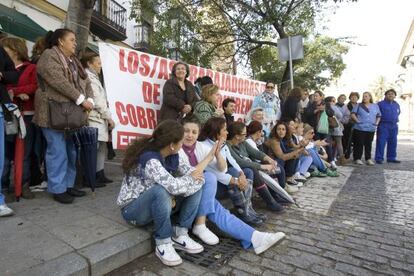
x=296, y=47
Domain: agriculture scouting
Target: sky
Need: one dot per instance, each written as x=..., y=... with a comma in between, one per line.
x=380, y=25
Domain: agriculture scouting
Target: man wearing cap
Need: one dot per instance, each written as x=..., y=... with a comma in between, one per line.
x=388, y=128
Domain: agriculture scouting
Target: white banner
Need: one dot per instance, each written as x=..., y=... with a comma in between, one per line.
x=134, y=81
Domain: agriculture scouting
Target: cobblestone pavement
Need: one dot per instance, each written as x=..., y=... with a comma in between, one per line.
x=359, y=224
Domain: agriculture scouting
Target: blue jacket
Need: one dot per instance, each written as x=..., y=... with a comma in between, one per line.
x=366, y=117
x=389, y=111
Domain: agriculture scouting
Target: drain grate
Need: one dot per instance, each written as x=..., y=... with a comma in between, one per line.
x=214, y=256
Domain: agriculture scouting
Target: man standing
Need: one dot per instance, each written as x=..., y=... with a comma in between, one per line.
x=229, y=106
x=269, y=101
x=388, y=128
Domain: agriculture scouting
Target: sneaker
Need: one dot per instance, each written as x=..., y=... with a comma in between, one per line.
x=333, y=165
x=370, y=162
x=332, y=173
x=262, y=241
x=306, y=174
x=167, y=254
x=298, y=177
x=63, y=198
x=291, y=189
x=292, y=182
x=204, y=234
x=5, y=211
x=184, y=242
x=358, y=162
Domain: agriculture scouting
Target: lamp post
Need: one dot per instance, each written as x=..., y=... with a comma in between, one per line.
x=142, y=36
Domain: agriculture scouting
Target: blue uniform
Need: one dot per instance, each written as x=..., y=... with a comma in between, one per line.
x=387, y=130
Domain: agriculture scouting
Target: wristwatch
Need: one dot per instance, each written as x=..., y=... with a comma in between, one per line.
x=236, y=180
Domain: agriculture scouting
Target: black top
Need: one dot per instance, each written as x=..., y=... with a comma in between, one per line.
x=10, y=75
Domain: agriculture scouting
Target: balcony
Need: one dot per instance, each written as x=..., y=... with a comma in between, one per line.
x=109, y=20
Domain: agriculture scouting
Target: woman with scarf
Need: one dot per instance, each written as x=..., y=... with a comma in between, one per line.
x=210, y=207
x=158, y=182
x=270, y=103
x=100, y=117
x=208, y=106
x=62, y=79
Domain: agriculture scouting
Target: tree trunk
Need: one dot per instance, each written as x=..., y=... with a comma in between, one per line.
x=78, y=19
x=285, y=83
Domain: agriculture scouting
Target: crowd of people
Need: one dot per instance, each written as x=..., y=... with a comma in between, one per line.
x=197, y=155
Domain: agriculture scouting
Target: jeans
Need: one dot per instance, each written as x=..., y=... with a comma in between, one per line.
x=155, y=204
x=328, y=148
x=304, y=163
x=289, y=166
x=362, y=142
x=316, y=159
x=1, y=152
x=216, y=213
x=237, y=197
x=386, y=135
x=60, y=161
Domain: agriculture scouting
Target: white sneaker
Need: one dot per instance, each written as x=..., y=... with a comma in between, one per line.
x=184, y=242
x=5, y=211
x=358, y=162
x=291, y=189
x=307, y=175
x=167, y=254
x=333, y=165
x=262, y=241
x=204, y=234
x=298, y=177
x=370, y=162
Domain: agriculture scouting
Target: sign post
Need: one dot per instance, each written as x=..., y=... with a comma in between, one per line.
x=290, y=48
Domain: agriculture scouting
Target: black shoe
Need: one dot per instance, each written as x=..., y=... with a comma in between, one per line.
x=75, y=192
x=63, y=198
x=270, y=201
x=97, y=185
x=279, y=198
x=394, y=161
x=251, y=220
x=258, y=215
x=101, y=178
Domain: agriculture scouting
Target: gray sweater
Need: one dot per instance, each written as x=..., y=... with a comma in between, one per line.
x=244, y=154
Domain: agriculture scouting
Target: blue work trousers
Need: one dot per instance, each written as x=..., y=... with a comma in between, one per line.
x=217, y=214
x=155, y=205
x=386, y=136
x=60, y=161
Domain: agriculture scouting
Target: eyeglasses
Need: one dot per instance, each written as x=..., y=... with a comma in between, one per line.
x=270, y=87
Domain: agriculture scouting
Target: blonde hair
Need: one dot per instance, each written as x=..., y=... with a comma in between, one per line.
x=371, y=100
x=207, y=91
x=17, y=45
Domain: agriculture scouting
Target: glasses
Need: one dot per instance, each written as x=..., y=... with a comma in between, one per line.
x=270, y=87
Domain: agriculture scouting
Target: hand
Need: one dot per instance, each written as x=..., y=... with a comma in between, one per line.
x=11, y=94
x=214, y=150
x=306, y=153
x=267, y=167
x=87, y=105
x=242, y=184
x=219, y=112
x=197, y=175
x=23, y=97
x=304, y=142
x=186, y=109
x=111, y=124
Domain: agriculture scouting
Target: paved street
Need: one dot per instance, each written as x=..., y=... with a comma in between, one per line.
x=359, y=224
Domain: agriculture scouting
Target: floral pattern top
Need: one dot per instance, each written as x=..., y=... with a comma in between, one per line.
x=140, y=180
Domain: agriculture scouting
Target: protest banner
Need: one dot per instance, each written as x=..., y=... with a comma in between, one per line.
x=134, y=81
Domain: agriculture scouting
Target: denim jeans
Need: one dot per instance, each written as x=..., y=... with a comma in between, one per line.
x=232, y=191
x=305, y=161
x=217, y=214
x=316, y=160
x=1, y=152
x=60, y=161
x=155, y=205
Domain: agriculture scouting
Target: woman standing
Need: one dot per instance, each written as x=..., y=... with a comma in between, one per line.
x=291, y=109
x=349, y=123
x=100, y=117
x=62, y=79
x=270, y=103
x=157, y=182
x=23, y=96
x=8, y=75
x=366, y=116
x=208, y=106
x=210, y=207
x=337, y=132
x=179, y=95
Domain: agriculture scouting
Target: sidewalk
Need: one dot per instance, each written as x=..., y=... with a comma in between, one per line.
x=88, y=237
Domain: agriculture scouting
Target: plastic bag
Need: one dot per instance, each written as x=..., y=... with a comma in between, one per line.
x=323, y=124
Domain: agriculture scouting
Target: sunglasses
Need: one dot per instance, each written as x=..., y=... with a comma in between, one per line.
x=271, y=87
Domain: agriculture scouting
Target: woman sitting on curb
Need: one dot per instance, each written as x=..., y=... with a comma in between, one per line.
x=210, y=207
x=235, y=183
x=157, y=182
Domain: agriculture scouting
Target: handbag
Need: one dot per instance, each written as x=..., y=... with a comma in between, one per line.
x=323, y=124
x=333, y=123
x=66, y=116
